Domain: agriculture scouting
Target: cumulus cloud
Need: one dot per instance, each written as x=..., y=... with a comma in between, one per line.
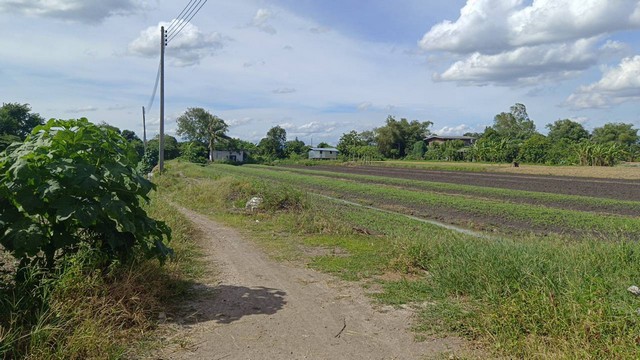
x=454, y=130
x=284, y=91
x=187, y=48
x=261, y=21
x=510, y=42
x=493, y=26
x=618, y=85
x=364, y=106
x=308, y=129
x=526, y=65
x=239, y=122
x=72, y=10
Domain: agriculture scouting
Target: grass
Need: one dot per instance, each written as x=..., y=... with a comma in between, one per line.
x=615, y=172
x=88, y=313
x=505, y=195
x=538, y=217
x=531, y=297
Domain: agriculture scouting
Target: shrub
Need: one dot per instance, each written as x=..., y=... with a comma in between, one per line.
x=73, y=182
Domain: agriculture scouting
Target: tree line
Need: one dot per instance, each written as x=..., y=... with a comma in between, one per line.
x=513, y=137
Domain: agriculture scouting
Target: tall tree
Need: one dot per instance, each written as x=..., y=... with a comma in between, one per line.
x=197, y=124
x=295, y=147
x=396, y=138
x=16, y=122
x=620, y=133
x=273, y=145
x=568, y=130
x=514, y=125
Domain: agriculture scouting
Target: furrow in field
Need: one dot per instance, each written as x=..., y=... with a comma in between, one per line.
x=479, y=214
x=568, y=202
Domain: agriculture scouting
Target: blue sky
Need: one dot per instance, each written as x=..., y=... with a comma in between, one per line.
x=322, y=68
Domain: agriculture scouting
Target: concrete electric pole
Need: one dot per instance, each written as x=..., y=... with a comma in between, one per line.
x=163, y=43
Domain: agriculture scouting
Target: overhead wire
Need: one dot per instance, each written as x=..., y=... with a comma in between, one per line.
x=182, y=20
x=177, y=18
x=155, y=90
x=186, y=22
x=175, y=27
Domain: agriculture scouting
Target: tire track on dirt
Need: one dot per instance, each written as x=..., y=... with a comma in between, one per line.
x=259, y=309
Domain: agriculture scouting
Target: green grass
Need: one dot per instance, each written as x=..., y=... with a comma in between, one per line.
x=505, y=195
x=531, y=297
x=537, y=216
x=89, y=313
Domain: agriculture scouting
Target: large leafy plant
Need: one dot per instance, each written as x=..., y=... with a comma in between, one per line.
x=73, y=182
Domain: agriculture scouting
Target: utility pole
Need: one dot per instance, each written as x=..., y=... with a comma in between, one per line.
x=163, y=43
x=144, y=130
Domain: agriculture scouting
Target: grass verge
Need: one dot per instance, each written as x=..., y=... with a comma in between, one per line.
x=529, y=297
x=89, y=313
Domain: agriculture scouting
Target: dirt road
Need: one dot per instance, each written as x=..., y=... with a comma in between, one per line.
x=256, y=308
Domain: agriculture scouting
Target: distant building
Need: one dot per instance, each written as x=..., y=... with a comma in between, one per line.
x=239, y=156
x=435, y=139
x=323, y=153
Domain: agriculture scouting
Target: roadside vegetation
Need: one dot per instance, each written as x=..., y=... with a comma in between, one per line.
x=81, y=264
x=525, y=296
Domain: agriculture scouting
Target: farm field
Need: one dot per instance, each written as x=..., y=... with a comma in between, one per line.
x=622, y=189
x=505, y=211
x=548, y=280
x=629, y=171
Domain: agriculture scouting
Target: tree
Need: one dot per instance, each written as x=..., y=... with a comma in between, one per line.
x=349, y=141
x=171, y=149
x=534, y=149
x=566, y=129
x=296, y=147
x=619, y=133
x=324, y=145
x=16, y=122
x=273, y=145
x=515, y=124
x=197, y=124
x=396, y=137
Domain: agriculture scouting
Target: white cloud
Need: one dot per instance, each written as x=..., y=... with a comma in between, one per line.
x=617, y=85
x=82, y=109
x=261, y=21
x=525, y=65
x=186, y=48
x=510, y=42
x=72, y=10
x=579, y=119
x=239, y=122
x=493, y=26
x=364, y=106
x=454, y=130
x=284, y=91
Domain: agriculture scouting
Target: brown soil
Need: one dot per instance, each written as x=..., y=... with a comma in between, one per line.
x=600, y=188
x=259, y=309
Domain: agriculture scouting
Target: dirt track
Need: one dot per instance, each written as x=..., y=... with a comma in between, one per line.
x=602, y=188
x=258, y=309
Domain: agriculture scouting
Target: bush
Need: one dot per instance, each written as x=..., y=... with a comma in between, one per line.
x=72, y=182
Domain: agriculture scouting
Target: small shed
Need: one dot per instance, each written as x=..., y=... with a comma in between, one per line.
x=435, y=139
x=238, y=156
x=323, y=153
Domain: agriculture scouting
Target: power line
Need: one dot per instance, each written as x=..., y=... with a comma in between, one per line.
x=181, y=21
x=155, y=90
x=186, y=22
x=177, y=18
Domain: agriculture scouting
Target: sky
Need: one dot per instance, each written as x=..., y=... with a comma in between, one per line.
x=321, y=68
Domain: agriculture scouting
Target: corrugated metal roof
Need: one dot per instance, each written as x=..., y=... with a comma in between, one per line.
x=325, y=149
